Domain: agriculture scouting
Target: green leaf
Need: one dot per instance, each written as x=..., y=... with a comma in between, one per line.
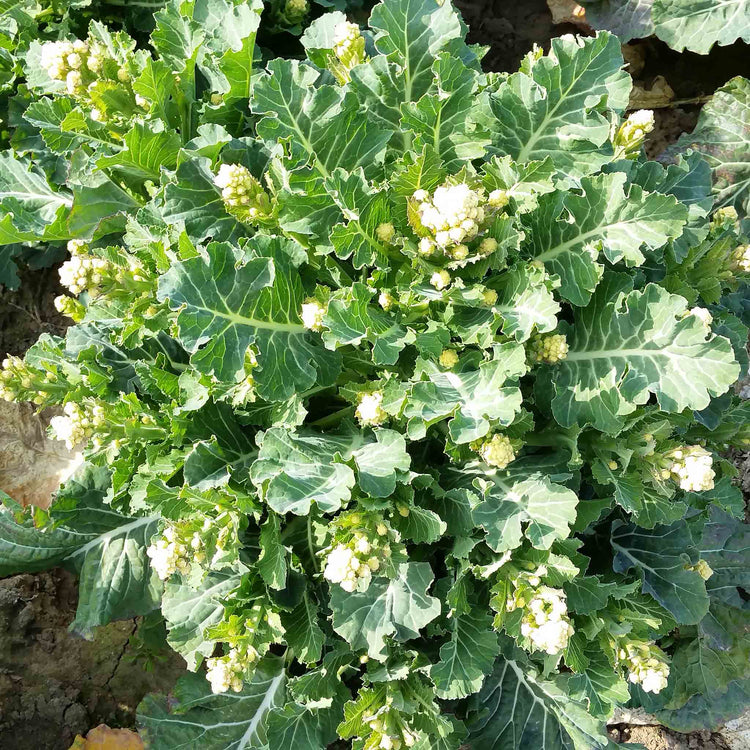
x=699, y=24
x=396, y=608
x=625, y=346
x=517, y=709
x=193, y=201
x=293, y=470
x=325, y=124
x=272, y=564
x=587, y=594
x=190, y=611
x=628, y=19
x=661, y=556
x=722, y=135
x=467, y=657
x=443, y=120
x=303, y=632
x=599, y=686
x=470, y=398
x=380, y=463
x=28, y=203
x=295, y=726
x=148, y=151
x=567, y=232
x=556, y=106
x=549, y=509
x=192, y=716
x=227, y=304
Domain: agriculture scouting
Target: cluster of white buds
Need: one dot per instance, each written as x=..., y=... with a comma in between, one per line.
x=453, y=216
x=489, y=297
x=172, y=553
x=545, y=621
x=82, y=273
x=440, y=280
x=551, y=348
x=20, y=382
x=243, y=196
x=389, y=731
x=448, y=358
x=386, y=300
x=14, y=378
x=646, y=664
x=702, y=314
x=352, y=563
x=739, y=261
x=312, y=314
x=66, y=61
x=77, y=424
x=228, y=672
x=703, y=569
x=348, y=47
x=369, y=410
x=692, y=468
x=496, y=451
x=630, y=136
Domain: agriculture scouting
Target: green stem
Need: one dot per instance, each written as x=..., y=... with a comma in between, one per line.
x=310, y=545
x=332, y=418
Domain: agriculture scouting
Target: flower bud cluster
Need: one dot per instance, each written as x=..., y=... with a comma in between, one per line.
x=295, y=11
x=453, y=216
x=389, y=731
x=243, y=196
x=70, y=307
x=692, y=468
x=227, y=672
x=545, y=620
x=702, y=314
x=370, y=412
x=83, y=274
x=363, y=545
x=448, y=358
x=78, y=423
x=646, y=664
x=739, y=261
x=312, y=314
x=550, y=349
x=496, y=451
x=20, y=381
x=631, y=134
x=348, y=49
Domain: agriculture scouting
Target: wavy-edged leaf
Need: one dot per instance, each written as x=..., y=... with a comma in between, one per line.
x=628, y=19
x=556, y=106
x=194, y=717
x=625, y=346
x=722, y=135
x=662, y=556
x=397, y=608
x=568, y=231
x=699, y=24
x=467, y=657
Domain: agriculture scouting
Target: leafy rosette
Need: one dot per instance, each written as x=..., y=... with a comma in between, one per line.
x=399, y=387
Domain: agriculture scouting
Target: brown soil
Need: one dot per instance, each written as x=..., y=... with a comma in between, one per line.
x=54, y=685
x=659, y=738
x=30, y=311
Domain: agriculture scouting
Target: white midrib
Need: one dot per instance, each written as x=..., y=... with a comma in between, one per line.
x=259, y=714
x=616, y=353
x=49, y=197
x=125, y=529
x=578, y=239
x=243, y=321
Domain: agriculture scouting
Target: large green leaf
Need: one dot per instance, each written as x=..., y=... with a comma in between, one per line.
x=568, y=232
x=548, y=509
x=190, y=611
x=470, y=398
x=28, y=203
x=723, y=136
x=467, y=657
x=516, y=709
x=699, y=24
x=662, y=556
x=628, y=19
x=324, y=124
x=397, y=608
x=192, y=716
x=625, y=346
x=228, y=302
x=556, y=106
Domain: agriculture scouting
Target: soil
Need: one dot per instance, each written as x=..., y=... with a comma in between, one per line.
x=54, y=685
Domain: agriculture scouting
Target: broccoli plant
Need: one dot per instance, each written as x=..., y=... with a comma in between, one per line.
x=400, y=389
